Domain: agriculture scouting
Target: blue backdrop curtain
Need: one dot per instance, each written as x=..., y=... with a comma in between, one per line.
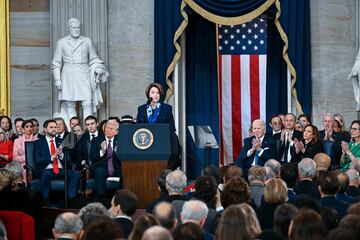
x=201, y=87
x=201, y=58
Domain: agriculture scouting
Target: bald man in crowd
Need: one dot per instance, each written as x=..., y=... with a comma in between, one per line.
x=257, y=149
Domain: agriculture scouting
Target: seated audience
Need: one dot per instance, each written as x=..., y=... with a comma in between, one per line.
x=351, y=223
x=233, y=224
x=231, y=171
x=68, y=226
x=309, y=146
x=50, y=162
x=92, y=212
x=275, y=167
x=307, y=224
x=236, y=191
x=188, y=231
x=78, y=131
x=276, y=127
x=351, y=150
x=256, y=149
x=103, y=228
x=257, y=178
x=19, y=145
x=288, y=136
x=354, y=180
x=329, y=185
x=157, y=233
x=123, y=206
x=340, y=119
x=305, y=119
x=331, y=139
x=289, y=173
x=161, y=183
x=322, y=161
x=340, y=234
x=283, y=216
x=6, y=149
x=207, y=192
x=143, y=223
x=18, y=127
x=251, y=219
x=196, y=212
x=354, y=209
x=275, y=194
x=165, y=213
x=344, y=182
x=299, y=126
x=307, y=172
x=36, y=128
x=107, y=163
x=74, y=121
x=6, y=125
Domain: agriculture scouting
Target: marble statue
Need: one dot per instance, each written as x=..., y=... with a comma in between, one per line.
x=355, y=77
x=77, y=72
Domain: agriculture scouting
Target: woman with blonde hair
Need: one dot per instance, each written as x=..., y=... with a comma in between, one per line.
x=275, y=194
x=251, y=219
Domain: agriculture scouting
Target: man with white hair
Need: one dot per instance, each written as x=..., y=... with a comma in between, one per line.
x=274, y=166
x=307, y=172
x=195, y=211
x=257, y=149
x=68, y=226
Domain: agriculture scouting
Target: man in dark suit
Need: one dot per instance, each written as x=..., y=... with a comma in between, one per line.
x=123, y=206
x=329, y=185
x=276, y=125
x=67, y=226
x=83, y=146
x=104, y=159
x=61, y=131
x=287, y=138
x=48, y=158
x=307, y=172
x=332, y=140
x=256, y=149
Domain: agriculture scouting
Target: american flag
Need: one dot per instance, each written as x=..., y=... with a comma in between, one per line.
x=242, y=82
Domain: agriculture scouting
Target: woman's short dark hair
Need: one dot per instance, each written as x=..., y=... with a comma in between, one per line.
x=155, y=85
x=205, y=189
x=26, y=122
x=283, y=216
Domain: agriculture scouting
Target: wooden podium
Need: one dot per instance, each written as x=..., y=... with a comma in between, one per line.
x=141, y=167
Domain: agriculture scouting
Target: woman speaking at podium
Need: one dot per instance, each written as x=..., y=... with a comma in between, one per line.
x=155, y=111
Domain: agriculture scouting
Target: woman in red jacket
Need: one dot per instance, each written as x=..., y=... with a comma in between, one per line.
x=6, y=149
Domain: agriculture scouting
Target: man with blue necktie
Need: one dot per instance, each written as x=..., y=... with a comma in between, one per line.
x=257, y=149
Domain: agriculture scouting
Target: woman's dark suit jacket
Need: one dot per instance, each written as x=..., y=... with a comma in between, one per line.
x=311, y=149
x=165, y=115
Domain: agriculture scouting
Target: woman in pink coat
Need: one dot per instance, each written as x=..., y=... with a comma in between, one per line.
x=19, y=144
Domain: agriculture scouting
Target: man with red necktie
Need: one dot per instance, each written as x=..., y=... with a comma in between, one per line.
x=49, y=162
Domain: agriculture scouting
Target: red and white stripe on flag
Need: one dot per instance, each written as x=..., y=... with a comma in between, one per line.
x=242, y=83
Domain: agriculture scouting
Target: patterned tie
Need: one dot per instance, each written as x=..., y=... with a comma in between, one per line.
x=110, y=159
x=55, y=162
